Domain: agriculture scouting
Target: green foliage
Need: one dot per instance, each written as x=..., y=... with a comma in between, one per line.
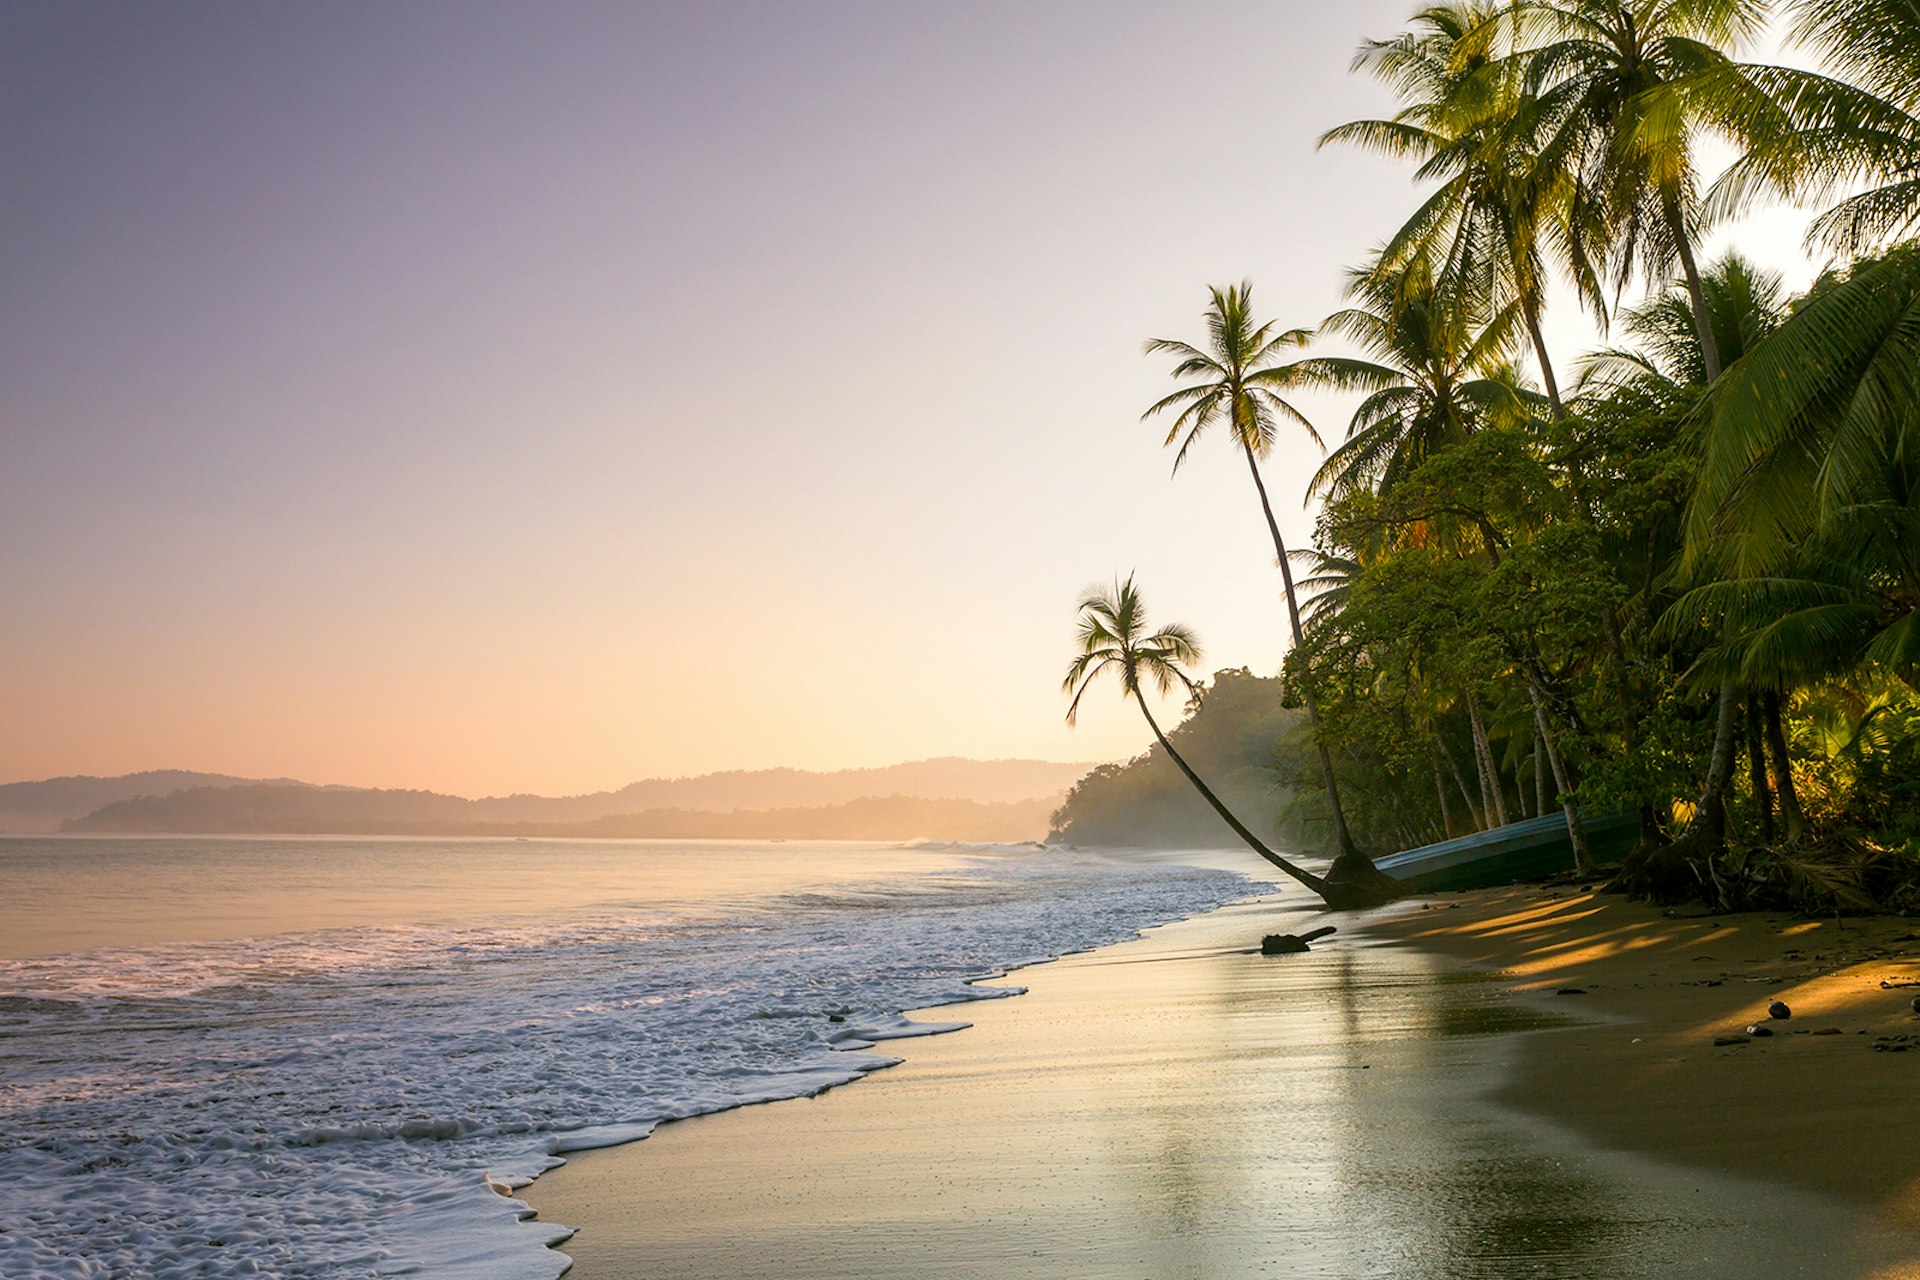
x=1229, y=736
x=1719, y=529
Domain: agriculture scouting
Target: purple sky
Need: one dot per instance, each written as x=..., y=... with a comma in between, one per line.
x=489, y=397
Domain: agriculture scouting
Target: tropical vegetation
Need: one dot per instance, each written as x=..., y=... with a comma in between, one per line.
x=1677, y=576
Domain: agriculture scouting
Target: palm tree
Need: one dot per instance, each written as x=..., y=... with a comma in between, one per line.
x=1744, y=304
x=1631, y=87
x=1114, y=638
x=1433, y=379
x=1505, y=181
x=1809, y=491
x=1238, y=380
x=1864, y=126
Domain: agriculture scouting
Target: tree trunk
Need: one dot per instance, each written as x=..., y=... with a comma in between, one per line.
x=1696, y=295
x=1460, y=781
x=1711, y=818
x=1492, y=794
x=1757, y=770
x=1552, y=384
x=1440, y=793
x=1341, y=897
x=1540, y=797
x=1582, y=856
x=1790, y=813
x=1349, y=858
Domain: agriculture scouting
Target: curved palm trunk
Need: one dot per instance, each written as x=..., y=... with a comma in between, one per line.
x=1460, y=781
x=1711, y=818
x=1713, y=798
x=1440, y=793
x=1254, y=842
x=1540, y=797
x=1342, y=835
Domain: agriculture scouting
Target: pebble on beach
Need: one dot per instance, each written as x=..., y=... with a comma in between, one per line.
x=1778, y=1009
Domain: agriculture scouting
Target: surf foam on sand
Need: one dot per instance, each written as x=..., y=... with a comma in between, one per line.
x=349, y=1102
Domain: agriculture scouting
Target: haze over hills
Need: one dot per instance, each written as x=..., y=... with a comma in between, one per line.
x=945, y=798
x=44, y=805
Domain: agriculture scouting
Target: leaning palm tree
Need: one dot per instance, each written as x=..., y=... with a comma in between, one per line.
x=1238, y=380
x=1114, y=638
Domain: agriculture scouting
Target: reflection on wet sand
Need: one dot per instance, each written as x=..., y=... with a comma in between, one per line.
x=1212, y=1113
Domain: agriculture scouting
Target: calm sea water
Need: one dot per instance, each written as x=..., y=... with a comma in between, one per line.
x=327, y=1057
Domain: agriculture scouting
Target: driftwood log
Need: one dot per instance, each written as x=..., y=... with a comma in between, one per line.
x=1288, y=944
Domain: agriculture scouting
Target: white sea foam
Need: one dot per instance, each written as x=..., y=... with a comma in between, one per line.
x=350, y=1102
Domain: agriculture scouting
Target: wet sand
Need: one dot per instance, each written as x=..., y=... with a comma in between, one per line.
x=1834, y=1113
x=1178, y=1107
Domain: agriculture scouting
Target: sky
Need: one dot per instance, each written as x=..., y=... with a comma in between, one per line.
x=526, y=397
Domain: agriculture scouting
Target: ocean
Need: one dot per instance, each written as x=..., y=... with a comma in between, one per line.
x=321, y=1057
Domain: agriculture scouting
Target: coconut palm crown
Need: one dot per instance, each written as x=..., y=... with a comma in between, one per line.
x=1239, y=379
x=1110, y=639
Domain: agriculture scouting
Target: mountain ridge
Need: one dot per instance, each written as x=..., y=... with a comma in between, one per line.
x=183, y=802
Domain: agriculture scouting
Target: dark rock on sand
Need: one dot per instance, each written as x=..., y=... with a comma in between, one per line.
x=1778, y=1009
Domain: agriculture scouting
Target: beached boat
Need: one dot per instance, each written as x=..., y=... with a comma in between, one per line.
x=1528, y=850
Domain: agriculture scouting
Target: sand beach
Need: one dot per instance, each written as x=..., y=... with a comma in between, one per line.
x=1412, y=1098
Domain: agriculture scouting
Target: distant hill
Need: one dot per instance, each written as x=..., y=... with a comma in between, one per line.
x=272, y=810
x=1001, y=791
x=43, y=806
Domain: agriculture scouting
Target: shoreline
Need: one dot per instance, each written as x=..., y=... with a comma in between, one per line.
x=1145, y=1106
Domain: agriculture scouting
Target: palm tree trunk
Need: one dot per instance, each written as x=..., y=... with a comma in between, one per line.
x=1492, y=794
x=1540, y=796
x=1582, y=856
x=1460, y=781
x=1305, y=877
x=1552, y=384
x=1711, y=818
x=1790, y=812
x=1757, y=769
x=1342, y=836
x=1702, y=322
x=1440, y=793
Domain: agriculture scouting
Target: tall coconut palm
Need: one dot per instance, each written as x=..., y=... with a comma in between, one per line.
x=1114, y=639
x=1505, y=178
x=1632, y=86
x=1238, y=380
